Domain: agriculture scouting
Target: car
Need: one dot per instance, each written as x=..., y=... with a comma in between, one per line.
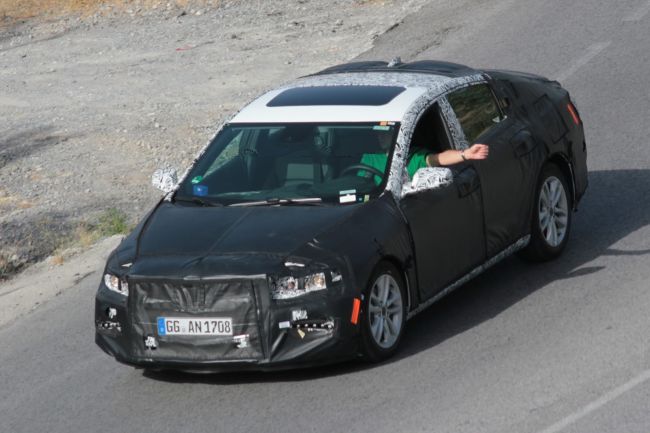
x=287, y=244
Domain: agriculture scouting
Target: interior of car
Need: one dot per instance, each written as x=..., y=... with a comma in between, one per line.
x=308, y=157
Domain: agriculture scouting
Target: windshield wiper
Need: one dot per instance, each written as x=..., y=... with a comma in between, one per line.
x=199, y=201
x=310, y=201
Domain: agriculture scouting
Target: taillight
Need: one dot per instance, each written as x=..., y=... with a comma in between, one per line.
x=573, y=112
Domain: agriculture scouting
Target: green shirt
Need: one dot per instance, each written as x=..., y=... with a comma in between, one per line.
x=379, y=160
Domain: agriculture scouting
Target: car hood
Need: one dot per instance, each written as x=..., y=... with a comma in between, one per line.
x=196, y=231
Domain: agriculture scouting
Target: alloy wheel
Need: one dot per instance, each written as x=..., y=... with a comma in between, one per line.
x=385, y=311
x=553, y=211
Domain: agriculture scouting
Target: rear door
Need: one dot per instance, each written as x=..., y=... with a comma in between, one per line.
x=504, y=174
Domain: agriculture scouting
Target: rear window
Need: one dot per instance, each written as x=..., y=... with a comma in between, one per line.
x=336, y=95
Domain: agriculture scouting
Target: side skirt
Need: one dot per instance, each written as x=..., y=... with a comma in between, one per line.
x=508, y=251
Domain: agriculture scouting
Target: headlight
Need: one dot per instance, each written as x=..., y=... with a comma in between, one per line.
x=290, y=287
x=115, y=284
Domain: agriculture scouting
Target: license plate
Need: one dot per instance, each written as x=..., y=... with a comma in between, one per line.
x=206, y=326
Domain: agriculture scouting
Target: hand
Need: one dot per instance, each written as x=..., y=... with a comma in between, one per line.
x=477, y=151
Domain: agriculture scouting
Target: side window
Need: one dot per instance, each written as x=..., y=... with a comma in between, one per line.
x=476, y=110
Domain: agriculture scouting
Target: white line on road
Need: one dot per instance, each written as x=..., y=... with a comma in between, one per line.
x=598, y=403
x=592, y=52
x=638, y=14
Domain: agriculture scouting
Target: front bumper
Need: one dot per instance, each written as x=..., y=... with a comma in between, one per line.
x=267, y=334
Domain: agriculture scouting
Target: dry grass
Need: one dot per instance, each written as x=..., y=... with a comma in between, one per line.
x=22, y=9
x=110, y=222
x=11, y=202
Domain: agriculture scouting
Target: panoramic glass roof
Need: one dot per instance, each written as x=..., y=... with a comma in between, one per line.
x=336, y=95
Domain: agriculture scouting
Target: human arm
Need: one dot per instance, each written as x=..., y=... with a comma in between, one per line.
x=451, y=157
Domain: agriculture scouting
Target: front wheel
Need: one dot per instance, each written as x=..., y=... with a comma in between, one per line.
x=551, y=219
x=384, y=313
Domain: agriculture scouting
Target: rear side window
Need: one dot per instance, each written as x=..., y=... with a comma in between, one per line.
x=476, y=110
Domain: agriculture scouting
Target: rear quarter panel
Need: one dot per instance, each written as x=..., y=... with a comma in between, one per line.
x=542, y=104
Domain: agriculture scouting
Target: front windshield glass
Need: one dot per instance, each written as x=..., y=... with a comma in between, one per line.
x=333, y=163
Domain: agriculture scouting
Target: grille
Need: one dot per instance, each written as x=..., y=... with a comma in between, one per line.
x=232, y=298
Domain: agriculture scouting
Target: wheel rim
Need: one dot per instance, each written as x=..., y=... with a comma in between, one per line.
x=553, y=211
x=385, y=311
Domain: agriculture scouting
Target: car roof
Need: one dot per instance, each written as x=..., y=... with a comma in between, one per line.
x=356, y=92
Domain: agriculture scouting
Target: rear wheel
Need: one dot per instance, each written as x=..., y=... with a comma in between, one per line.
x=384, y=313
x=551, y=221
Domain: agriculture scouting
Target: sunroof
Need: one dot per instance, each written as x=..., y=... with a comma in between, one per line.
x=336, y=95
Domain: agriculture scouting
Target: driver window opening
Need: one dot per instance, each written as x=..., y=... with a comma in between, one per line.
x=430, y=133
x=429, y=137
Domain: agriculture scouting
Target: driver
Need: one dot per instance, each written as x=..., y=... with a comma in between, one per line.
x=422, y=157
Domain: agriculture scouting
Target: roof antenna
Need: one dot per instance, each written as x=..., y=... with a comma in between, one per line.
x=395, y=61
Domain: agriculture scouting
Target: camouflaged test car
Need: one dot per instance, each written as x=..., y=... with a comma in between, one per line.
x=282, y=247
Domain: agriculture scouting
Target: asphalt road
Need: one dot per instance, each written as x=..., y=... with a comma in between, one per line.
x=558, y=347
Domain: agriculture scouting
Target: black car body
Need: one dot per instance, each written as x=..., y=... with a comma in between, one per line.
x=283, y=272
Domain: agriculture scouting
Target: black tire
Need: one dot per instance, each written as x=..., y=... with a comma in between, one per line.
x=540, y=248
x=371, y=349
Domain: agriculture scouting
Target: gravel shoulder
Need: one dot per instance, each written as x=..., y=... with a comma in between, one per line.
x=91, y=106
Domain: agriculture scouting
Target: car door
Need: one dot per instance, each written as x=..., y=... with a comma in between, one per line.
x=503, y=175
x=446, y=225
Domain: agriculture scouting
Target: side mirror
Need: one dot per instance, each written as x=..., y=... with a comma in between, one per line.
x=165, y=179
x=428, y=178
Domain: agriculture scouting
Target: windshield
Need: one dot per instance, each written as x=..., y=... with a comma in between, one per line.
x=330, y=163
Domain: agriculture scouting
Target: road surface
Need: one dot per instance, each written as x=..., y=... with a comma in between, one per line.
x=557, y=347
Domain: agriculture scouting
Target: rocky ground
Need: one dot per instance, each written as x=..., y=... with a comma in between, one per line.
x=92, y=102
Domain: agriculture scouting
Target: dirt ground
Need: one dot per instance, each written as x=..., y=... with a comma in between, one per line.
x=26, y=9
x=96, y=95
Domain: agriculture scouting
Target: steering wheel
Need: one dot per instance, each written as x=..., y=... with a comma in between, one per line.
x=363, y=167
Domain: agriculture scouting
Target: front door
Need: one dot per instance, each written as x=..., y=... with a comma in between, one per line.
x=447, y=228
x=446, y=222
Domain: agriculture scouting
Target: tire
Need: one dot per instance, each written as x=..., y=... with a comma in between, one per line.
x=383, y=315
x=552, y=215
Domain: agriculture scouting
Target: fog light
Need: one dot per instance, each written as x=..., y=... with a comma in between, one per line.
x=109, y=327
x=150, y=342
x=241, y=340
x=299, y=315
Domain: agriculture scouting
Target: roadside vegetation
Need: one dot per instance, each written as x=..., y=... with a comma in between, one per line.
x=67, y=241
x=109, y=223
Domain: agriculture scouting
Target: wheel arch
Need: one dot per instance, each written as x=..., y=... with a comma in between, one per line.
x=564, y=164
x=402, y=268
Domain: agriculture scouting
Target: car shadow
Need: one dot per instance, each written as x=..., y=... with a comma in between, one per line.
x=617, y=204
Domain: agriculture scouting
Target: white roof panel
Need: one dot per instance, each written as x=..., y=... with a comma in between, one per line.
x=259, y=112
x=416, y=85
